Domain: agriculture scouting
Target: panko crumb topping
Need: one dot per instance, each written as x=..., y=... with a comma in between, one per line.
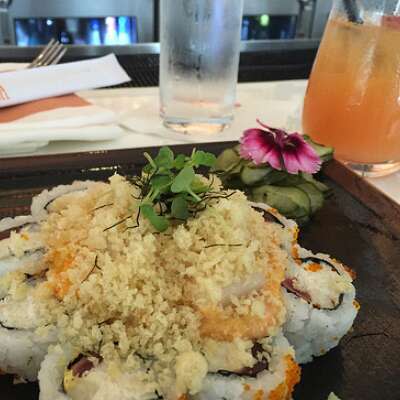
x=118, y=288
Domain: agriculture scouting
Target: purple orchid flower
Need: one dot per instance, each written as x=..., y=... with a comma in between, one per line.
x=282, y=150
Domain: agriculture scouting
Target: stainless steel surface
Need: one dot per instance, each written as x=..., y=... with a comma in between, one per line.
x=4, y=22
x=142, y=9
x=18, y=53
x=50, y=55
x=272, y=7
x=312, y=14
x=287, y=44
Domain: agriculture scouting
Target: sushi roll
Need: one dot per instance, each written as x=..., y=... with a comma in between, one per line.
x=24, y=339
x=273, y=376
x=22, y=351
x=42, y=203
x=289, y=228
x=319, y=295
x=210, y=309
x=7, y=224
x=22, y=250
x=320, y=303
x=51, y=373
x=21, y=247
x=67, y=374
x=24, y=336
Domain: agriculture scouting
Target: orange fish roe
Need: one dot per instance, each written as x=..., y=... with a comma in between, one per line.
x=216, y=324
x=314, y=267
x=350, y=271
x=285, y=389
x=57, y=279
x=356, y=305
x=274, y=211
x=295, y=253
x=246, y=387
x=258, y=395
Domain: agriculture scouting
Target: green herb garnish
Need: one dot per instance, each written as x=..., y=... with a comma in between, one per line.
x=170, y=188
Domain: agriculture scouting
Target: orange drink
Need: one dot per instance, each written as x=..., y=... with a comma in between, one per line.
x=353, y=97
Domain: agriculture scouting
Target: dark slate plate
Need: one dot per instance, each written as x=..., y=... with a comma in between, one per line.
x=362, y=229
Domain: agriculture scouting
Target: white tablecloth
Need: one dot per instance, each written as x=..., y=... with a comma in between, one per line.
x=276, y=103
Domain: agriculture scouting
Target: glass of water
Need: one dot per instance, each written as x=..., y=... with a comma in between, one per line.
x=199, y=60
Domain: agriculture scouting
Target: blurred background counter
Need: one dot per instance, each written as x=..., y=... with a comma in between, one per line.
x=280, y=38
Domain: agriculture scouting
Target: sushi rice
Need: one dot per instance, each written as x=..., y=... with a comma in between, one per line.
x=222, y=307
x=328, y=307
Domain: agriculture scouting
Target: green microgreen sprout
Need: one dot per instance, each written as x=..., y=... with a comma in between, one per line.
x=170, y=188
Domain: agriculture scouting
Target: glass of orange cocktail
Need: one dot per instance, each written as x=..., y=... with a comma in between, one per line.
x=353, y=96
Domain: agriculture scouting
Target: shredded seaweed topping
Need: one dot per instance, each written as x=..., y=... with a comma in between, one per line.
x=95, y=265
x=117, y=223
x=9, y=328
x=223, y=245
x=103, y=206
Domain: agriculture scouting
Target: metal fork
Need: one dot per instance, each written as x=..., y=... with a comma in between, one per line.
x=50, y=55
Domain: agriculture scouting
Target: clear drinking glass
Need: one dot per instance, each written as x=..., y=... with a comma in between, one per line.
x=199, y=59
x=353, y=97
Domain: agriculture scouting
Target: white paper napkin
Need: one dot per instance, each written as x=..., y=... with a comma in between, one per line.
x=10, y=67
x=24, y=85
x=26, y=127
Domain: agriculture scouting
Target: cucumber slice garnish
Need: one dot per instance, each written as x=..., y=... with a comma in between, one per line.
x=295, y=196
x=289, y=201
x=325, y=153
x=319, y=185
x=315, y=196
x=251, y=176
x=227, y=161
